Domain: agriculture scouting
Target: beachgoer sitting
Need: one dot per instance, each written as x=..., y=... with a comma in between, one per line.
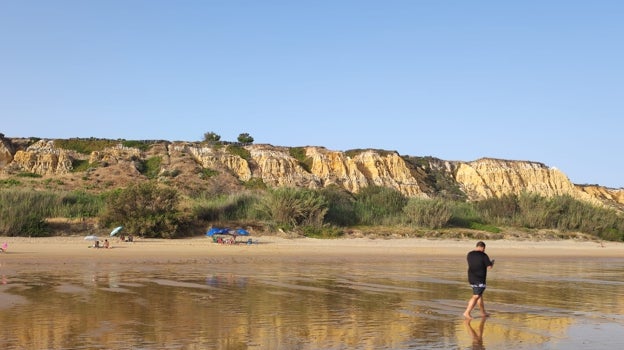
x=4, y=247
x=106, y=244
x=97, y=244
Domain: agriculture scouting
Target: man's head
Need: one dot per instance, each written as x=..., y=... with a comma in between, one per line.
x=480, y=245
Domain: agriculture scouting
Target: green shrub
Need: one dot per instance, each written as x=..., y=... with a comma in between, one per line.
x=84, y=146
x=299, y=153
x=438, y=178
x=144, y=209
x=294, y=207
x=376, y=205
x=23, y=213
x=352, y=153
x=484, y=227
x=80, y=204
x=239, y=151
x=464, y=215
x=141, y=145
x=430, y=213
x=224, y=208
x=560, y=212
x=322, y=232
x=32, y=175
x=255, y=183
x=10, y=183
x=79, y=165
x=150, y=167
x=501, y=210
x=206, y=173
x=340, y=206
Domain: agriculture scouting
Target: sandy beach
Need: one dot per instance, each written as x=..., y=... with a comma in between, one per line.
x=351, y=292
x=67, y=249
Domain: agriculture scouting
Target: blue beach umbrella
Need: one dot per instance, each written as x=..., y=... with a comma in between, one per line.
x=116, y=230
x=218, y=231
x=226, y=231
x=242, y=232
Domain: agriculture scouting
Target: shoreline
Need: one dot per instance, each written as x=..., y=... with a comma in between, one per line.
x=67, y=249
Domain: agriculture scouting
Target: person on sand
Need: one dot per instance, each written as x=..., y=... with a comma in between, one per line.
x=478, y=264
x=106, y=244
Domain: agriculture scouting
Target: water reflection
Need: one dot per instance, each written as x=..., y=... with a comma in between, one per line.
x=322, y=305
x=476, y=335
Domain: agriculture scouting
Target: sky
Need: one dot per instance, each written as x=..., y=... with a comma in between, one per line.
x=528, y=80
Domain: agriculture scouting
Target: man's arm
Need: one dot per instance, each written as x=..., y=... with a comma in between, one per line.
x=491, y=264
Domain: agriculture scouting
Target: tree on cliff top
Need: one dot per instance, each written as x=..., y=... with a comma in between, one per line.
x=211, y=137
x=245, y=138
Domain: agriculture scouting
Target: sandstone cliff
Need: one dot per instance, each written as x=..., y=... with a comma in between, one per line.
x=185, y=165
x=43, y=158
x=6, y=152
x=488, y=177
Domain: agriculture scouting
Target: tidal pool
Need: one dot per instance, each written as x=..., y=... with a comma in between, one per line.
x=408, y=303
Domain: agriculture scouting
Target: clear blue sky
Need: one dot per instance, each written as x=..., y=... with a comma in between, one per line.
x=458, y=80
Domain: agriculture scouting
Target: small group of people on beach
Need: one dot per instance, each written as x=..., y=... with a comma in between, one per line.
x=222, y=240
x=124, y=238
x=105, y=244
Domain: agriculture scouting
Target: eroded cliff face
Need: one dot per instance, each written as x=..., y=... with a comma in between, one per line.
x=353, y=171
x=276, y=167
x=216, y=158
x=43, y=158
x=487, y=178
x=114, y=155
x=607, y=195
x=6, y=152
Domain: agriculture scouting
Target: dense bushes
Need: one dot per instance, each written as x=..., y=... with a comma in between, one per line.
x=23, y=213
x=149, y=167
x=561, y=213
x=152, y=211
x=224, y=208
x=144, y=209
x=291, y=207
x=340, y=206
x=376, y=205
x=434, y=213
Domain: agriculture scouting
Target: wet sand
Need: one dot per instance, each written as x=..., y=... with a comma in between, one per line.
x=68, y=249
x=354, y=291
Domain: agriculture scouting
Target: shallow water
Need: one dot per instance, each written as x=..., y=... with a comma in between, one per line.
x=333, y=304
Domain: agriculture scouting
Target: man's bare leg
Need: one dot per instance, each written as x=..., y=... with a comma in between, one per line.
x=471, y=304
x=482, y=307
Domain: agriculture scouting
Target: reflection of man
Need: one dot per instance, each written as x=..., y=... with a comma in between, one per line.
x=478, y=264
x=477, y=337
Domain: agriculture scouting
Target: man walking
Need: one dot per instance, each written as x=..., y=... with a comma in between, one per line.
x=478, y=264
